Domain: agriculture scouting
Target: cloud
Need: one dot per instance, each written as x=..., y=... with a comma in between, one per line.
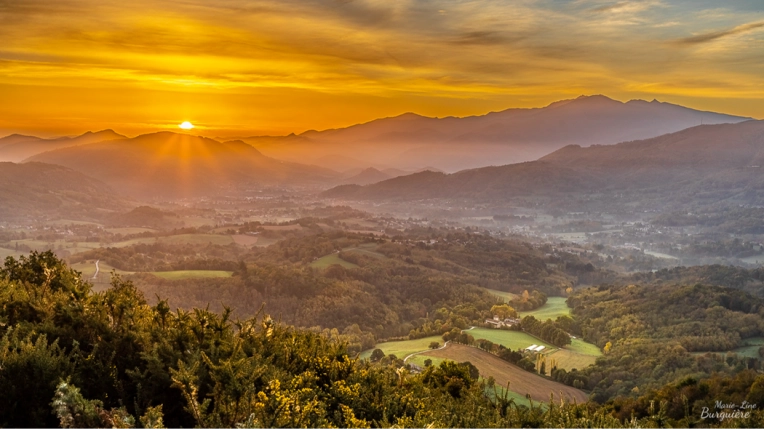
x=714, y=35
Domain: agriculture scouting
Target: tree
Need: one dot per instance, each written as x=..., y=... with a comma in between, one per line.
x=503, y=311
x=376, y=355
x=434, y=345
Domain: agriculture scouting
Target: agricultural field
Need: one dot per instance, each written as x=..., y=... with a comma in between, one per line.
x=88, y=269
x=521, y=381
x=367, y=249
x=567, y=359
x=750, y=348
x=4, y=253
x=401, y=349
x=580, y=346
x=129, y=230
x=245, y=240
x=555, y=306
x=56, y=245
x=506, y=296
x=332, y=259
x=192, y=274
x=511, y=339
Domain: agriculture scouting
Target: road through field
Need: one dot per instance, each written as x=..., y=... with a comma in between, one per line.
x=521, y=381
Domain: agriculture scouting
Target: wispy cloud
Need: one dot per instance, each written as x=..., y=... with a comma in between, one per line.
x=364, y=58
x=714, y=35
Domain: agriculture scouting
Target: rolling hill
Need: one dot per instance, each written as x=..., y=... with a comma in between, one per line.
x=177, y=165
x=33, y=190
x=411, y=141
x=710, y=161
x=15, y=148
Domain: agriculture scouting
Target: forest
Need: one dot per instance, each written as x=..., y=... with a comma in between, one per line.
x=72, y=357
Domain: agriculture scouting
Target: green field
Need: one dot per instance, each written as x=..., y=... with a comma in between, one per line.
x=401, y=349
x=367, y=249
x=555, y=306
x=192, y=274
x=71, y=247
x=506, y=296
x=4, y=253
x=128, y=231
x=88, y=269
x=750, y=348
x=511, y=339
x=580, y=346
x=332, y=259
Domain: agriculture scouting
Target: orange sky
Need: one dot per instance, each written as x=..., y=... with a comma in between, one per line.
x=240, y=67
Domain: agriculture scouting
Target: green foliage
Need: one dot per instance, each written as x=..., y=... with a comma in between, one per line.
x=72, y=357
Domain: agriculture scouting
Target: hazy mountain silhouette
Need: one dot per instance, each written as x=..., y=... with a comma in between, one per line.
x=174, y=165
x=412, y=141
x=725, y=158
x=35, y=189
x=18, y=147
x=367, y=176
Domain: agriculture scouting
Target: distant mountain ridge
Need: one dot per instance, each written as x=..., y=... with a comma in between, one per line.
x=411, y=141
x=179, y=165
x=708, y=161
x=35, y=189
x=16, y=147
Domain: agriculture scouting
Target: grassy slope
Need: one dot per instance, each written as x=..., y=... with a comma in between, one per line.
x=555, y=306
x=521, y=381
x=331, y=260
x=188, y=274
x=401, y=349
x=506, y=296
x=511, y=339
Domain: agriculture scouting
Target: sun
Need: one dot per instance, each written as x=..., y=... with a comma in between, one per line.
x=186, y=125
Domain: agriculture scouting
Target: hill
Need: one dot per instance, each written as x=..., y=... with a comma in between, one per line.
x=367, y=176
x=177, y=165
x=709, y=162
x=412, y=141
x=16, y=148
x=31, y=190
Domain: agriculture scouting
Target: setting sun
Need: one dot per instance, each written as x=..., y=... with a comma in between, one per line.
x=186, y=125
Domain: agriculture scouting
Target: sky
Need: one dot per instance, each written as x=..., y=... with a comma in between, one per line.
x=250, y=67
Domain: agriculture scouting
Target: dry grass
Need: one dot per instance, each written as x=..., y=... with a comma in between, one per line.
x=521, y=381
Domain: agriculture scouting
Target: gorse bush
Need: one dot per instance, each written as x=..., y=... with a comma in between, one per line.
x=72, y=357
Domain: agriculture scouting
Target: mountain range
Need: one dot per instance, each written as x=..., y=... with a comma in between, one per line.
x=16, y=147
x=412, y=141
x=34, y=189
x=716, y=162
x=179, y=165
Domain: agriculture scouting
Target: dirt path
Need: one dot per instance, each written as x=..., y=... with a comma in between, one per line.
x=521, y=381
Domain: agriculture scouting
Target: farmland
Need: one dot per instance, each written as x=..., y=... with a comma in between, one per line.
x=190, y=274
x=401, y=349
x=554, y=307
x=506, y=296
x=332, y=259
x=515, y=340
x=521, y=381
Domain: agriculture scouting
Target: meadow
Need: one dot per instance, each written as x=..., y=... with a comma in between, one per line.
x=555, y=306
x=332, y=259
x=511, y=339
x=191, y=274
x=403, y=348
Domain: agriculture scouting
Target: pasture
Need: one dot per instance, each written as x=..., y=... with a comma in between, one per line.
x=506, y=296
x=332, y=259
x=511, y=339
x=521, y=381
x=555, y=306
x=403, y=348
x=192, y=274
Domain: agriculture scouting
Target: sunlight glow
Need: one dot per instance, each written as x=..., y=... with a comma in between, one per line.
x=186, y=125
